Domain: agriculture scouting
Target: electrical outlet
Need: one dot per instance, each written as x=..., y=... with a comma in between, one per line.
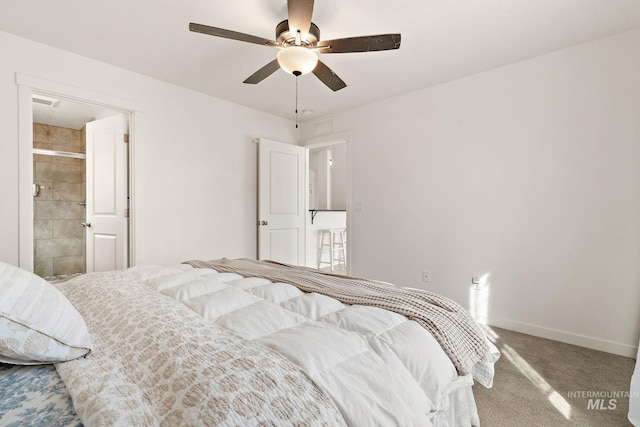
x=426, y=276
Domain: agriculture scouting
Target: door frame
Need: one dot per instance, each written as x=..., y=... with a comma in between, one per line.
x=325, y=141
x=27, y=86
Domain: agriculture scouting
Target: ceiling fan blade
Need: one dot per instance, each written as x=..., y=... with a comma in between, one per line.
x=263, y=73
x=228, y=34
x=300, y=12
x=360, y=44
x=328, y=77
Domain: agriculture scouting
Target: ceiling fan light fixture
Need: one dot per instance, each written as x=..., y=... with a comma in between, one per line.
x=300, y=45
x=297, y=60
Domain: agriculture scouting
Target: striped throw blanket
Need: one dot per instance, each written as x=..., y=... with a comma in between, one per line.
x=450, y=324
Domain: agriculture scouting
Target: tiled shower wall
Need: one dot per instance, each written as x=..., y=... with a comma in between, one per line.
x=59, y=239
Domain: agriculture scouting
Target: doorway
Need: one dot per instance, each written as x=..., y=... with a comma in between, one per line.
x=52, y=181
x=328, y=189
x=59, y=197
x=62, y=222
x=290, y=222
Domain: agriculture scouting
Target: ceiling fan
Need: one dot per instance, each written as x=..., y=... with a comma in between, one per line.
x=298, y=40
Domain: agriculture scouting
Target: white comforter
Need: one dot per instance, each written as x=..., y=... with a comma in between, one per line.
x=379, y=368
x=157, y=363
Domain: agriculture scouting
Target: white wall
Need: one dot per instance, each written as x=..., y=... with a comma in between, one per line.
x=530, y=173
x=339, y=176
x=320, y=185
x=195, y=162
x=328, y=184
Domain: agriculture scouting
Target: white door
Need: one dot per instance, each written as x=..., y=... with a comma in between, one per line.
x=281, y=202
x=106, y=221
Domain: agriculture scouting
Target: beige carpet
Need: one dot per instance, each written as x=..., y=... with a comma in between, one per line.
x=540, y=382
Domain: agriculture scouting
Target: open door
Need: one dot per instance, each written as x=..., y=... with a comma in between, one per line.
x=281, y=202
x=106, y=222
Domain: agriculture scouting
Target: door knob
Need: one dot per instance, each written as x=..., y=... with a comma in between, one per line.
x=264, y=223
x=86, y=224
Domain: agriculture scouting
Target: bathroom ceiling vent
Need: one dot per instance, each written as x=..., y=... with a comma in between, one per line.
x=45, y=100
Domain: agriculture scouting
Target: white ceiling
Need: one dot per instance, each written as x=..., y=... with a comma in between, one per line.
x=442, y=40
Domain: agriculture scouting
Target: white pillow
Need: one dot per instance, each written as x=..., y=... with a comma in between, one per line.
x=38, y=324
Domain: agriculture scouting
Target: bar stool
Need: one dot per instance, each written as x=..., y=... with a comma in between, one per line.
x=335, y=246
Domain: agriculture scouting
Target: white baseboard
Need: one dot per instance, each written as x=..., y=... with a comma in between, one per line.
x=567, y=337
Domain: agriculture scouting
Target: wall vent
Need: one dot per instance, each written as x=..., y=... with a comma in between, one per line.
x=324, y=127
x=45, y=100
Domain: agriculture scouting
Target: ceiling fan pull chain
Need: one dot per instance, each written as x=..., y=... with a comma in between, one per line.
x=297, y=75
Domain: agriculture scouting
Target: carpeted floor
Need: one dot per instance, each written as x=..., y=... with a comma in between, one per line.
x=541, y=383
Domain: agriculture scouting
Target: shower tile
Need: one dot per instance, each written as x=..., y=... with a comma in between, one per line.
x=69, y=161
x=43, y=229
x=59, y=210
x=68, y=192
x=38, y=129
x=42, y=158
x=43, y=145
x=65, y=136
x=68, y=228
x=43, y=267
x=42, y=134
x=67, y=146
x=55, y=134
x=52, y=248
x=58, y=172
x=59, y=244
x=68, y=265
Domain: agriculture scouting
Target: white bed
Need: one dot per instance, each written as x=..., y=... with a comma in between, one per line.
x=194, y=346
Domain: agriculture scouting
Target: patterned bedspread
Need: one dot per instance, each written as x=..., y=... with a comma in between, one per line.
x=34, y=396
x=157, y=363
